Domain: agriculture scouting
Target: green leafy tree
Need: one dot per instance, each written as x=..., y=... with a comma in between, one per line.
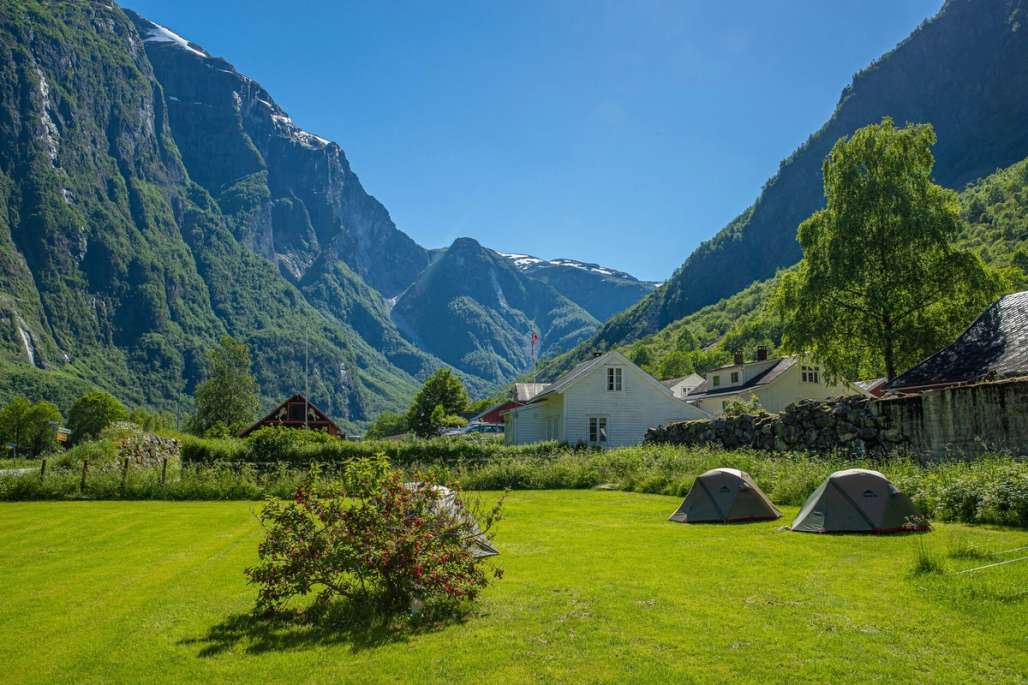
x=93, y=412
x=227, y=401
x=442, y=389
x=28, y=428
x=881, y=285
x=387, y=423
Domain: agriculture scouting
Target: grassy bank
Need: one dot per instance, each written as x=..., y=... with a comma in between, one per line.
x=598, y=588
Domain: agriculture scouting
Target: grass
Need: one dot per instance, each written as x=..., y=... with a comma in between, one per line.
x=598, y=588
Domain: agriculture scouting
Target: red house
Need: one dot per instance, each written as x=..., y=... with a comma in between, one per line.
x=297, y=412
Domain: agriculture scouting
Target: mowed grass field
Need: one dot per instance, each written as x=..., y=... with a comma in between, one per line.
x=598, y=588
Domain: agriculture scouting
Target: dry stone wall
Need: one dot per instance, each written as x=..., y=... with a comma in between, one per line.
x=959, y=420
x=848, y=423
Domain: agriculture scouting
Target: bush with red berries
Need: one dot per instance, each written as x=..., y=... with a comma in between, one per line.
x=373, y=538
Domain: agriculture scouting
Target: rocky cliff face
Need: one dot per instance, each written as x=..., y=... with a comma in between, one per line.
x=965, y=72
x=136, y=226
x=476, y=310
x=290, y=195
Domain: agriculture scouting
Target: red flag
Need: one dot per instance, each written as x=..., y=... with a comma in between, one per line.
x=535, y=339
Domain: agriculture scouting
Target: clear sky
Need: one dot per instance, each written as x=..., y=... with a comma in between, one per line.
x=623, y=133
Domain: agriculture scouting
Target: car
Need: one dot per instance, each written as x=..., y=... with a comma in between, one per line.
x=475, y=427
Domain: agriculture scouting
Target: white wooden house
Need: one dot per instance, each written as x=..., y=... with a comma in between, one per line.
x=775, y=382
x=680, y=387
x=606, y=401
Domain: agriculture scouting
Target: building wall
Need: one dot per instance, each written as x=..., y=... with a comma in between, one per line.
x=533, y=422
x=963, y=419
x=639, y=405
x=786, y=389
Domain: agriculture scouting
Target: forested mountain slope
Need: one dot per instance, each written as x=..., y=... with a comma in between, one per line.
x=119, y=269
x=995, y=209
x=965, y=71
x=476, y=310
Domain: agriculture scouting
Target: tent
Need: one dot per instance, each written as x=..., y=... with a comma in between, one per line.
x=479, y=545
x=857, y=500
x=725, y=495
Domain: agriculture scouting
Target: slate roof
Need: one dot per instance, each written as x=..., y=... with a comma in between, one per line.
x=994, y=346
x=523, y=392
x=766, y=377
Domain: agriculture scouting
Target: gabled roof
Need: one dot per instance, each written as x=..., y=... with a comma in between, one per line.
x=582, y=370
x=766, y=377
x=320, y=418
x=672, y=382
x=524, y=392
x=562, y=383
x=994, y=346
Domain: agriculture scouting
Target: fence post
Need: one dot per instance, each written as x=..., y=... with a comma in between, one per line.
x=85, y=469
x=164, y=470
x=42, y=468
x=124, y=474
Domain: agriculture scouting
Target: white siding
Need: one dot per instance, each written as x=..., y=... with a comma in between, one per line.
x=639, y=405
x=532, y=422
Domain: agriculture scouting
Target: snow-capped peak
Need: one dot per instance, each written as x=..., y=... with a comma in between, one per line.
x=161, y=34
x=526, y=262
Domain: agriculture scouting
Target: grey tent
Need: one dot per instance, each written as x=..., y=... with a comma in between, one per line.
x=446, y=500
x=725, y=495
x=857, y=500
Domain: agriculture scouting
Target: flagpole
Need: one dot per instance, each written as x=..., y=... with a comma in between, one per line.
x=306, y=377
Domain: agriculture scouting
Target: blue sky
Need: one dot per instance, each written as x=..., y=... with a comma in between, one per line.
x=623, y=133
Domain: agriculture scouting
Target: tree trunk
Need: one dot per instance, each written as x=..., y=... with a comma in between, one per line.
x=888, y=352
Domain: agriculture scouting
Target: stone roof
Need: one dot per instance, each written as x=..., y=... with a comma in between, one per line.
x=766, y=377
x=994, y=346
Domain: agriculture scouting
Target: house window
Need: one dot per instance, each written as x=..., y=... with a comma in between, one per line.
x=735, y=377
x=613, y=379
x=716, y=381
x=810, y=374
x=598, y=430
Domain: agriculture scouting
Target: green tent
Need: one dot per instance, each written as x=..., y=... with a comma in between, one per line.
x=857, y=501
x=725, y=495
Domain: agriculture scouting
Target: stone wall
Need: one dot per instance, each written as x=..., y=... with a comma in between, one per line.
x=849, y=423
x=966, y=419
x=963, y=419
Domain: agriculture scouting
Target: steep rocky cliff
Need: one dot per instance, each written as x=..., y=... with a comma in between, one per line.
x=124, y=255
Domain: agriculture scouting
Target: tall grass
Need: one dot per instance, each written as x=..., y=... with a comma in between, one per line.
x=990, y=489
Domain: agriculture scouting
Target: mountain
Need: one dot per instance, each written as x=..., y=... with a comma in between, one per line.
x=599, y=290
x=965, y=71
x=476, y=309
x=152, y=199
x=996, y=213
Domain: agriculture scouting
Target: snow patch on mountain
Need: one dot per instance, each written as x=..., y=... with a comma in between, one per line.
x=527, y=262
x=162, y=34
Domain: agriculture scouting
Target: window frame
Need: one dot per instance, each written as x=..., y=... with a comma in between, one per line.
x=615, y=379
x=598, y=431
x=715, y=381
x=734, y=377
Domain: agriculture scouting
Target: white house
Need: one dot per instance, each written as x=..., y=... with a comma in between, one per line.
x=776, y=383
x=680, y=387
x=606, y=401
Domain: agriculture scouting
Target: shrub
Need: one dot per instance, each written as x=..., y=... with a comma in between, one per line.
x=277, y=443
x=368, y=538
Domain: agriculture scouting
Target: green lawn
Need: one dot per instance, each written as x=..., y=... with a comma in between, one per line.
x=598, y=588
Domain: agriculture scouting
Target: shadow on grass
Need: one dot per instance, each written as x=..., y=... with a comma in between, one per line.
x=343, y=623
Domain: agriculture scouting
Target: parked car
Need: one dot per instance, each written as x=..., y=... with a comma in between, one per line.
x=476, y=427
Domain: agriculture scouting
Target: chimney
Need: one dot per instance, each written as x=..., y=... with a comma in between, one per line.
x=762, y=353
x=738, y=357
